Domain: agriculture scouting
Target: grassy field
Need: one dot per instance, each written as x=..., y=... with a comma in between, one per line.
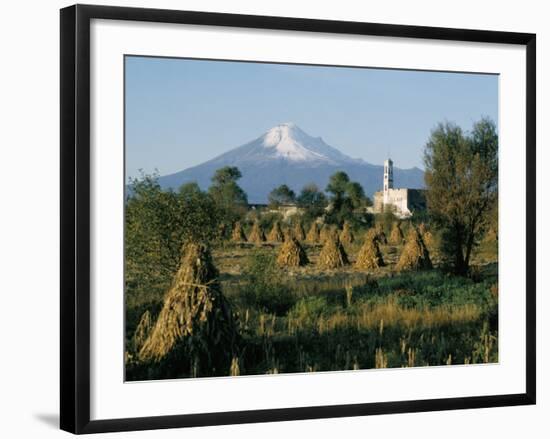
x=305, y=319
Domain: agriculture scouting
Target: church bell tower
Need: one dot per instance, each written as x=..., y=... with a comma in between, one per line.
x=388, y=178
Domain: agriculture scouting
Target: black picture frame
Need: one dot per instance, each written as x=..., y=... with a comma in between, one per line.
x=75, y=217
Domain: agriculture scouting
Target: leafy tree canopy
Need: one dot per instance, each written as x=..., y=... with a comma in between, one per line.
x=228, y=196
x=225, y=190
x=281, y=195
x=462, y=186
x=226, y=175
x=347, y=196
x=338, y=184
x=313, y=201
x=158, y=223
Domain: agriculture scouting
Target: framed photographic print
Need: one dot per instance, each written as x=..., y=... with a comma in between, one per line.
x=286, y=218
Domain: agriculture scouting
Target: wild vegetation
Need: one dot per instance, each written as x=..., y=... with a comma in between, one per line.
x=214, y=288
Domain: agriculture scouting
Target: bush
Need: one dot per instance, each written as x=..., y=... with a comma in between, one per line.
x=308, y=309
x=265, y=289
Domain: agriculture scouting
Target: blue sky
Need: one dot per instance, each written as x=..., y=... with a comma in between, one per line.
x=180, y=113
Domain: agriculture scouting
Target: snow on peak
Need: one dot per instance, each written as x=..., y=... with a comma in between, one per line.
x=290, y=142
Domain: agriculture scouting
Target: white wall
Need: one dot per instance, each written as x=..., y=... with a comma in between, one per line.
x=29, y=216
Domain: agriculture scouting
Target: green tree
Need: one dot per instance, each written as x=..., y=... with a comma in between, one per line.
x=157, y=224
x=226, y=175
x=198, y=213
x=152, y=237
x=338, y=184
x=357, y=195
x=313, y=201
x=229, y=197
x=281, y=195
x=462, y=186
x=225, y=190
x=347, y=196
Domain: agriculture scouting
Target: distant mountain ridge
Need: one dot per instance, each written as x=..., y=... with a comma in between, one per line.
x=287, y=155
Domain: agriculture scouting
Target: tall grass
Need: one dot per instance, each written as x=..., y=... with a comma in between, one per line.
x=350, y=321
x=420, y=319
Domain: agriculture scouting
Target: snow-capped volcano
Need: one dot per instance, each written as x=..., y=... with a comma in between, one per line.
x=285, y=143
x=285, y=154
x=289, y=142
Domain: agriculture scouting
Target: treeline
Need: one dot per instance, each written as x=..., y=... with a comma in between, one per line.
x=345, y=198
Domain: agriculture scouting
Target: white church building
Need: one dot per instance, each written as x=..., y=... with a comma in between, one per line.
x=403, y=202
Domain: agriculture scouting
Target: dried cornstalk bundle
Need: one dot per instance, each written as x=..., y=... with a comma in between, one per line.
x=287, y=234
x=142, y=331
x=346, y=236
x=428, y=239
x=256, y=234
x=195, y=312
x=372, y=233
x=276, y=234
x=332, y=254
x=238, y=233
x=422, y=229
x=415, y=255
x=324, y=233
x=313, y=233
x=396, y=235
x=334, y=231
x=292, y=254
x=299, y=233
x=380, y=235
x=426, y=235
x=235, y=369
x=369, y=256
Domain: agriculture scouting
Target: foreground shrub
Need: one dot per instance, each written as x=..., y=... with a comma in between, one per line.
x=264, y=287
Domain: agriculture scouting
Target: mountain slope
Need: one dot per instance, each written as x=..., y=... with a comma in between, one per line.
x=287, y=155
